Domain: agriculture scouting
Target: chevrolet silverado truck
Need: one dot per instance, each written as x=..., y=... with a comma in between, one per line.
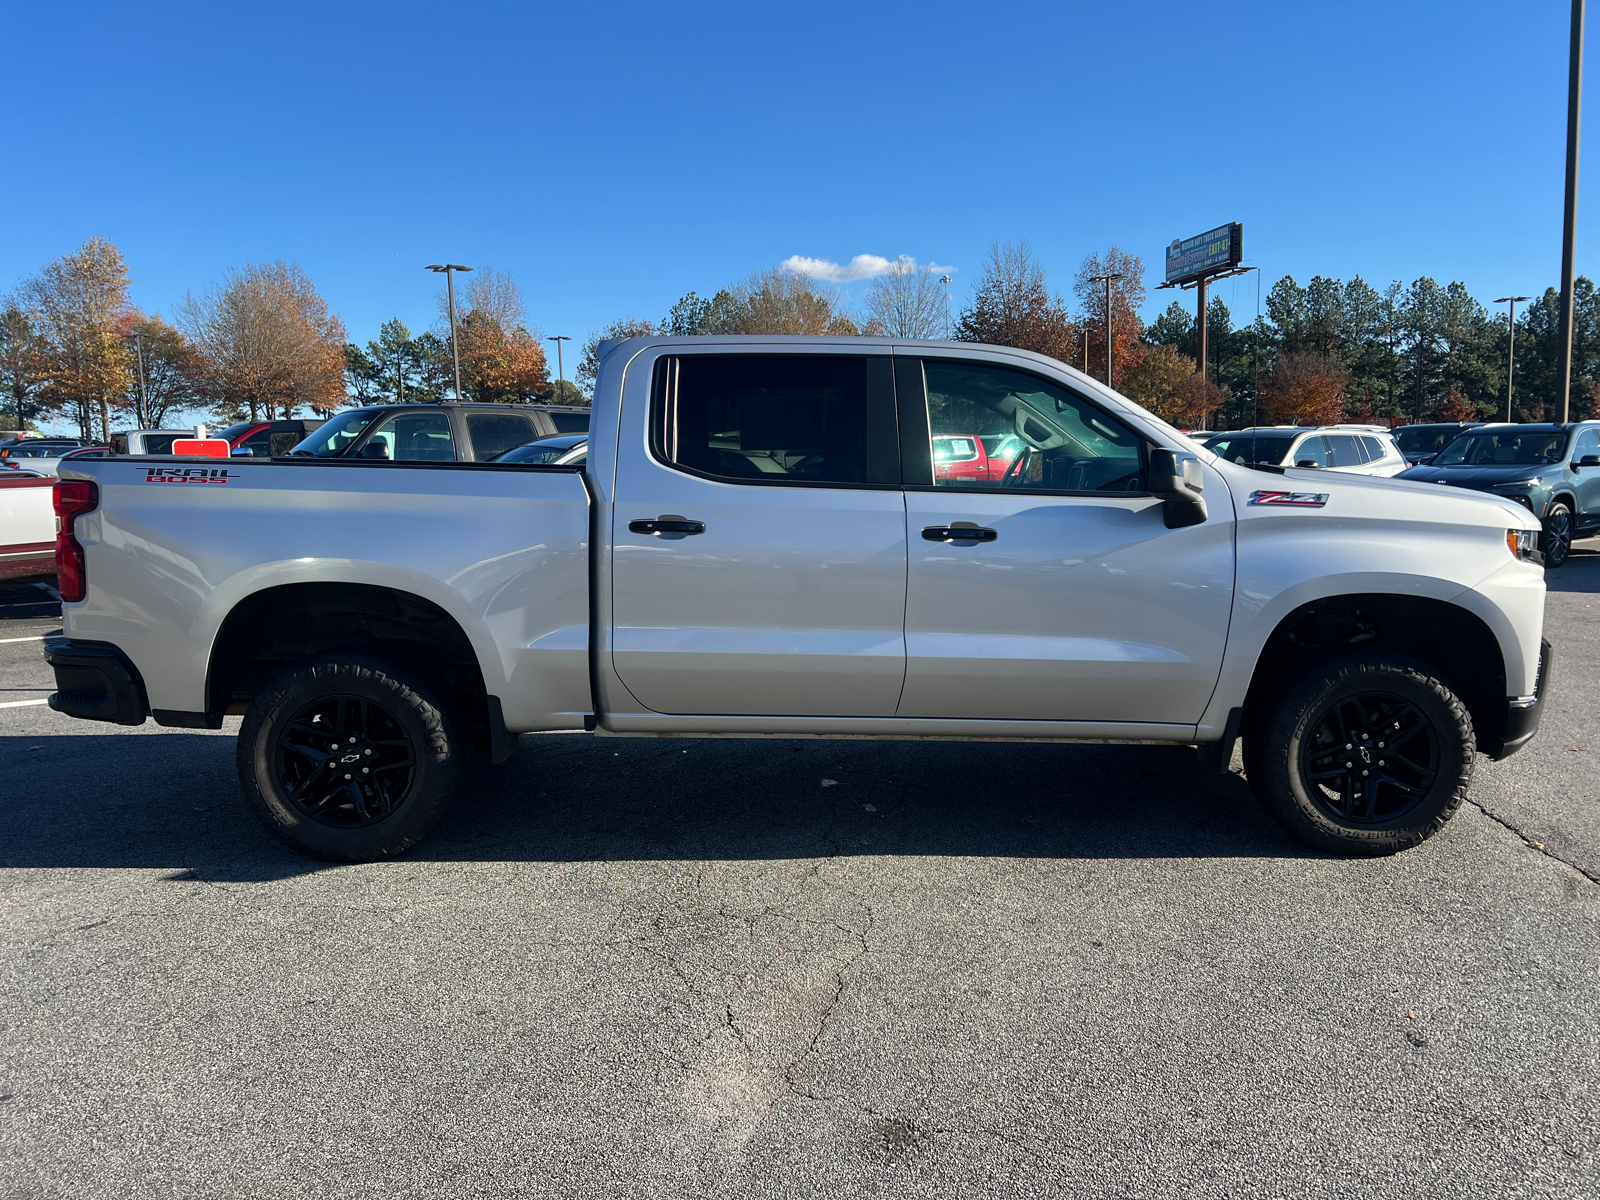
x=758, y=545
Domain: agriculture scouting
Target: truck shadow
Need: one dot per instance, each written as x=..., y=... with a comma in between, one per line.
x=172, y=802
x=1581, y=571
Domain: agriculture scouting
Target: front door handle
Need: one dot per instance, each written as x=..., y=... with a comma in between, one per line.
x=962, y=531
x=670, y=524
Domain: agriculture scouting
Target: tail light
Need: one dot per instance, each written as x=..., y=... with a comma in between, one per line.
x=73, y=498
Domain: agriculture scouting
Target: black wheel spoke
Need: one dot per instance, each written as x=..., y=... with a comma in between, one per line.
x=345, y=761
x=1339, y=759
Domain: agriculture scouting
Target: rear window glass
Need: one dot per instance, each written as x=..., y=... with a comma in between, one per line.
x=769, y=418
x=495, y=433
x=568, y=422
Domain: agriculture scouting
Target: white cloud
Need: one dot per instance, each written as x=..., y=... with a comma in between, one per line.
x=862, y=266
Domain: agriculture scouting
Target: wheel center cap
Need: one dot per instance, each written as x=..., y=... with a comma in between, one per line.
x=350, y=758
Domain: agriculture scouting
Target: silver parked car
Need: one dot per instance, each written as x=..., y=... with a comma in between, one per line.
x=1358, y=449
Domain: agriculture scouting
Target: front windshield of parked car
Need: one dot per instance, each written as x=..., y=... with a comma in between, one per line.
x=1424, y=439
x=1248, y=449
x=335, y=437
x=542, y=451
x=1513, y=448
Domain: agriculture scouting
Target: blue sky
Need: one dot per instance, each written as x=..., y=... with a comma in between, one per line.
x=614, y=157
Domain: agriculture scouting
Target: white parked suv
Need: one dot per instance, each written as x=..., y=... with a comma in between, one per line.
x=1358, y=449
x=760, y=545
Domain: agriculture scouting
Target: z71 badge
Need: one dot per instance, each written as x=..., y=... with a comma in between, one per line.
x=1290, y=499
x=188, y=475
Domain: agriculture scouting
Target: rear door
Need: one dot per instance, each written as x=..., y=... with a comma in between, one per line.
x=758, y=541
x=493, y=433
x=1054, y=591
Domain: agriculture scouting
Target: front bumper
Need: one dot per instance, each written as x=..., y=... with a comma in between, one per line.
x=95, y=681
x=1523, y=713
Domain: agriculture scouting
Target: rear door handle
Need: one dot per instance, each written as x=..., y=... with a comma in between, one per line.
x=958, y=533
x=669, y=524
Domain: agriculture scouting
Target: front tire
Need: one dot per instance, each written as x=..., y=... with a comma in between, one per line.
x=347, y=759
x=1367, y=754
x=1556, y=544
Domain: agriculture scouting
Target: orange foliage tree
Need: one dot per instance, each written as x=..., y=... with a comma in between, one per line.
x=1304, y=388
x=1127, y=329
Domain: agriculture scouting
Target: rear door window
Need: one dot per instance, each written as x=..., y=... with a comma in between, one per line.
x=1376, y=452
x=778, y=419
x=495, y=433
x=1344, y=450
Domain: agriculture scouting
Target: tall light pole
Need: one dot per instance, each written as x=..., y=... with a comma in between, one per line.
x=449, y=269
x=144, y=393
x=946, y=281
x=1511, y=345
x=1569, y=227
x=1110, y=350
x=561, y=371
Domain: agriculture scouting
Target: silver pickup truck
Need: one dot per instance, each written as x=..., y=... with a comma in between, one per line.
x=808, y=537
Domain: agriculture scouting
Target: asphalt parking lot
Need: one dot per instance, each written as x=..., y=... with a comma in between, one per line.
x=662, y=968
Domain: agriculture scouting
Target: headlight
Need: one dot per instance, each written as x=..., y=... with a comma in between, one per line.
x=1524, y=544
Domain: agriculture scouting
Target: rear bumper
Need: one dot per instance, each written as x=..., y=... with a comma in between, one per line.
x=95, y=681
x=1524, y=713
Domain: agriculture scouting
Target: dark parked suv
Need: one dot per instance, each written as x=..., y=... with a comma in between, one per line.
x=438, y=432
x=1553, y=470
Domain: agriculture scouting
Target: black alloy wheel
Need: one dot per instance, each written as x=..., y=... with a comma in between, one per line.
x=1556, y=544
x=1370, y=759
x=344, y=761
x=348, y=759
x=1365, y=752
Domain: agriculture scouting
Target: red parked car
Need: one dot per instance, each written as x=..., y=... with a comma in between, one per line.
x=974, y=458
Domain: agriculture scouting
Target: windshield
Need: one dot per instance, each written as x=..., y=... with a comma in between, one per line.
x=1249, y=449
x=546, y=450
x=335, y=437
x=1424, y=439
x=1513, y=448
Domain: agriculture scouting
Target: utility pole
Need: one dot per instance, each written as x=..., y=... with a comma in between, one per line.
x=561, y=370
x=1569, y=229
x=1511, y=345
x=946, y=281
x=448, y=270
x=144, y=394
x=1110, y=349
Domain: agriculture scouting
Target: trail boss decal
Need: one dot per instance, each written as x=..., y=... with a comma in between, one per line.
x=188, y=475
x=1290, y=499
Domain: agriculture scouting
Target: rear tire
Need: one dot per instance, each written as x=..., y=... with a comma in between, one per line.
x=1556, y=542
x=347, y=759
x=1366, y=754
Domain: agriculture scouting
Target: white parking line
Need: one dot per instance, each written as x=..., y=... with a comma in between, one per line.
x=22, y=703
x=9, y=641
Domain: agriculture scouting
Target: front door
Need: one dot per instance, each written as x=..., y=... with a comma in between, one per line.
x=1586, y=480
x=759, y=546
x=1054, y=591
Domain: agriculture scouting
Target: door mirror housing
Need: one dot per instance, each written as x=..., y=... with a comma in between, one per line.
x=1179, y=480
x=1588, y=460
x=1307, y=464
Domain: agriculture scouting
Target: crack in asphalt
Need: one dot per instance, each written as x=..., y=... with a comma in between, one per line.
x=1541, y=847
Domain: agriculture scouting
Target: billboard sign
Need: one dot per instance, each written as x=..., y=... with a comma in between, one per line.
x=1216, y=250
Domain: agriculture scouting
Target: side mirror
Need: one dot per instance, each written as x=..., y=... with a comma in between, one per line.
x=1307, y=463
x=243, y=452
x=375, y=450
x=1179, y=480
x=1588, y=460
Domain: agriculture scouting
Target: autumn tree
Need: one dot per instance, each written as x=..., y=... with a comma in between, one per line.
x=1127, y=295
x=1165, y=382
x=1012, y=306
x=502, y=360
x=77, y=303
x=265, y=343
x=1304, y=387
x=906, y=301
x=775, y=301
x=169, y=369
x=22, y=366
x=589, y=363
